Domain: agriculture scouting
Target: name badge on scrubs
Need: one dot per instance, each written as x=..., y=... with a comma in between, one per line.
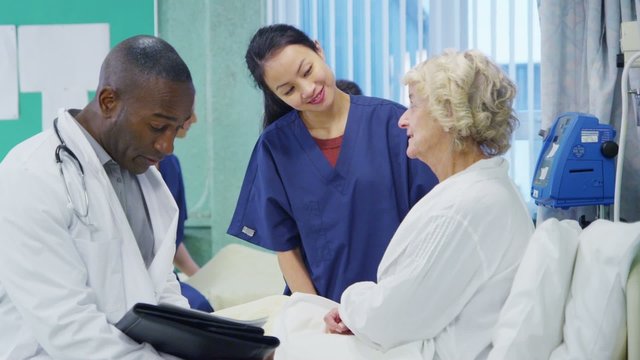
x=248, y=231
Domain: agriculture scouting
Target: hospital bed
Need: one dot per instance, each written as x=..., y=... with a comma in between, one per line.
x=245, y=283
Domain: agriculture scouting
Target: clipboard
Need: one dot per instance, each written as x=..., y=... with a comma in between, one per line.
x=194, y=335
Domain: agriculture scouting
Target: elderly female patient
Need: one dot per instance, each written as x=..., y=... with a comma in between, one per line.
x=449, y=267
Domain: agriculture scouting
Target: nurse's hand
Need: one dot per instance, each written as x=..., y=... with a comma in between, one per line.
x=334, y=324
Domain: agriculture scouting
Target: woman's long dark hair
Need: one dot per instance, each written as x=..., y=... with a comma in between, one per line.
x=265, y=42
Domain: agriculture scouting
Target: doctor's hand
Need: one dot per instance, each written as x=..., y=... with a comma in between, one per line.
x=334, y=324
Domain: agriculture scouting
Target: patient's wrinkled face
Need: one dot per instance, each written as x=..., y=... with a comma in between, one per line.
x=427, y=138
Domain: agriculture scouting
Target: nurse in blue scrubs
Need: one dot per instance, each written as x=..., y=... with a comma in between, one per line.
x=328, y=181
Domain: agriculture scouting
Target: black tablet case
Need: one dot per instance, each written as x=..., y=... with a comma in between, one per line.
x=192, y=334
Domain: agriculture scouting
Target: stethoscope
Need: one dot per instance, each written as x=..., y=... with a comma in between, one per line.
x=81, y=207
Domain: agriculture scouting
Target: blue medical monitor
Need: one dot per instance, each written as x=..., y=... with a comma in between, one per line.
x=576, y=166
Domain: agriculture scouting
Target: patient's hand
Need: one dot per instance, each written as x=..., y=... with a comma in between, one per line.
x=334, y=324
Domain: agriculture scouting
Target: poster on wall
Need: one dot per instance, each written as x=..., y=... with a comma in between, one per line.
x=8, y=73
x=51, y=56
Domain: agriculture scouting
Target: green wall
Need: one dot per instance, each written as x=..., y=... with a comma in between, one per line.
x=212, y=36
x=137, y=19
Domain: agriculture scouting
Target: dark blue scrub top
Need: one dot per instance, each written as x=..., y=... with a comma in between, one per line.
x=342, y=217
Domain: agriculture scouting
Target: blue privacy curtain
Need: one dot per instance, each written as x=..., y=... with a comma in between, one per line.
x=579, y=73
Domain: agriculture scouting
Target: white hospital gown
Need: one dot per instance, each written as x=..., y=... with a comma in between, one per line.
x=443, y=278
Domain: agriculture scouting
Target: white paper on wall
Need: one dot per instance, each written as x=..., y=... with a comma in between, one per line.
x=9, y=105
x=62, y=62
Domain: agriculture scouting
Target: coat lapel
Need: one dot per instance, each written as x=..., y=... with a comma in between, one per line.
x=163, y=214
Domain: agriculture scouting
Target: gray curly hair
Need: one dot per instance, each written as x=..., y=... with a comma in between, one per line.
x=470, y=96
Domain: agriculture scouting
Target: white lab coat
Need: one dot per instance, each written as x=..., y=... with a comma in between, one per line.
x=441, y=282
x=64, y=284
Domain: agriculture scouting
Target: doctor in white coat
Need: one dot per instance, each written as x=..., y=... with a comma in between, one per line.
x=449, y=267
x=74, y=257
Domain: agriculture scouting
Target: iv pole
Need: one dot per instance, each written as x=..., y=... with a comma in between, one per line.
x=623, y=134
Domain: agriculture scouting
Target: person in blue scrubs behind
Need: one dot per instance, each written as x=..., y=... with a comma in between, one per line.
x=348, y=86
x=328, y=181
x=172, y=175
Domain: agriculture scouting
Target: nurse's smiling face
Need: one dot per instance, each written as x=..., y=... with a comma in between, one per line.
x=427, y=138
x=300, y=77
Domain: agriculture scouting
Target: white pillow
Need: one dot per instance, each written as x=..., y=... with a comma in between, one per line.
x=238, y=274
x=530, y=322
x=595, y=325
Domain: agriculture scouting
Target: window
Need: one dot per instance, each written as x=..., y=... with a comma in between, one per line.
x=508, y=31
x=372, y=42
